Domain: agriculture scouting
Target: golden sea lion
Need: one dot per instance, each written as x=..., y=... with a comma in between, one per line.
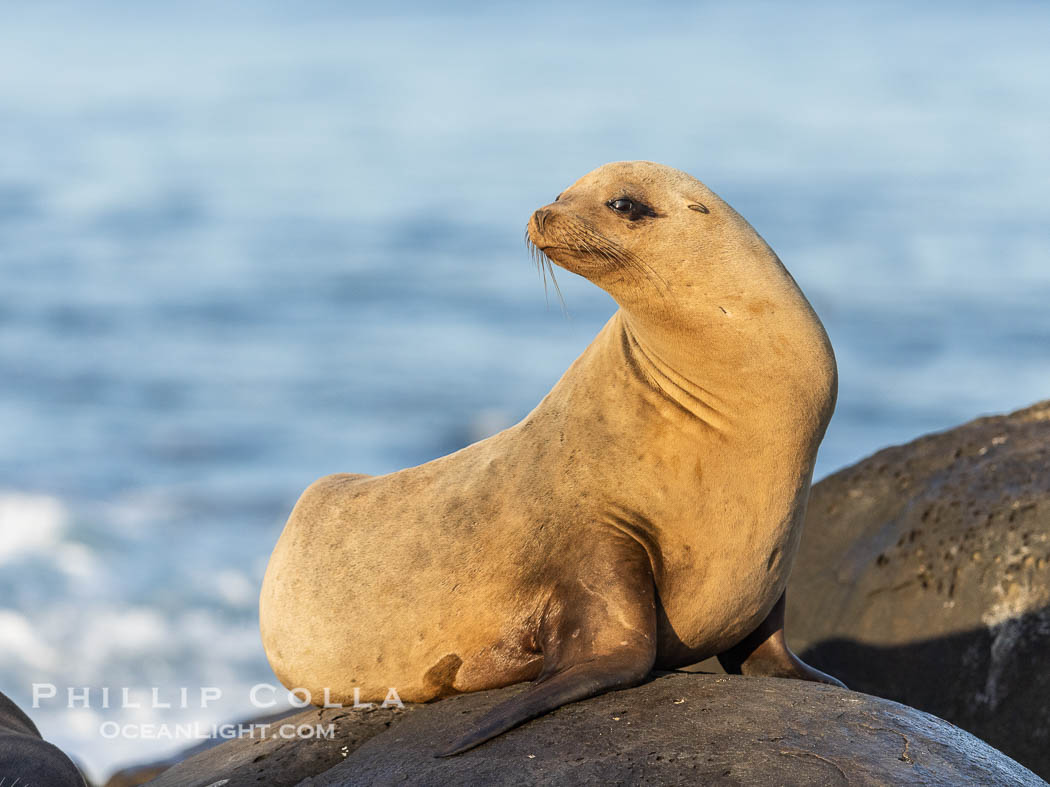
x=646, y=513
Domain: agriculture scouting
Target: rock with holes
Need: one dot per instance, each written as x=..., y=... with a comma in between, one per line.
x=687, y=729
x=924, y=577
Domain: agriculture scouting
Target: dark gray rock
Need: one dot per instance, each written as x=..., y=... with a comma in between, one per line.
x=277, y=761
x=25, y=758
x=142, y=773
x=924, y=577
x=687, y=729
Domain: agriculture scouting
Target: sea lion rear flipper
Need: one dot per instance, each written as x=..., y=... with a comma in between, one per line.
x=598, y=634
x=764, y=652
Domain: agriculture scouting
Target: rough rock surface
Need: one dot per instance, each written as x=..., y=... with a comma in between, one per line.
x=924, y=577
x=141, y=773
x=25, y=758
x=687, y=729
x=277, y=761
x=678, y=728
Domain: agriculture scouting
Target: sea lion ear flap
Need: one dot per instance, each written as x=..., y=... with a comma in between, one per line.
x=698, y=207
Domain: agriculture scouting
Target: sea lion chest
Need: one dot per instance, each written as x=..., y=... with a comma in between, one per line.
x=628, y=449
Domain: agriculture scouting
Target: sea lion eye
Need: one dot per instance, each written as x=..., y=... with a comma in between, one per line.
x=631, y=209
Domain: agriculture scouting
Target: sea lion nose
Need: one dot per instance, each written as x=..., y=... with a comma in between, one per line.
x=540, y=217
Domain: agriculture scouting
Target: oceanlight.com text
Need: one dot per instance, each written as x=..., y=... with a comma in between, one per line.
x=197, y=731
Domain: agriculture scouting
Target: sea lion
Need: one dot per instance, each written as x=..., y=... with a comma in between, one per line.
x=646, y=513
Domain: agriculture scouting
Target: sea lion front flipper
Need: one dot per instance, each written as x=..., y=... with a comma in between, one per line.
x=598, y=634
x=764, y=652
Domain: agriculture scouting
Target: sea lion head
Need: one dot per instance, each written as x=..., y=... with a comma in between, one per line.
x=648, y=233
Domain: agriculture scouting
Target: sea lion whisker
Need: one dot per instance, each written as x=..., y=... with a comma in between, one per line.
x=594, y=243
x=626, y=259
x=627, y=262
x=659, y=282
x=536, y=256
x=544, y=265
x=543, y=272
x=557, y=289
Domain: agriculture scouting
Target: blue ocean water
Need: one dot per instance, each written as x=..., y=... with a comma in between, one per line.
x=245, y=246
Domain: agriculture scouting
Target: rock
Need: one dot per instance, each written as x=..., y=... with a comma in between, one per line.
x=677, y=728
x=26, y=758
x=276, y=761
x=135, y=775
x=138, y=774
x=687, y=729
x=924, y=577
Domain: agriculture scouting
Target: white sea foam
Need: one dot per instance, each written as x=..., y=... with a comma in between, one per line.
x=29, y=523
x=78, y=562
x=21, y=646
x=74, y=595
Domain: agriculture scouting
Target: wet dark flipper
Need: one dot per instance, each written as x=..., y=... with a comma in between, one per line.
x=577, y=682
x=764, y=652
x=598, y=634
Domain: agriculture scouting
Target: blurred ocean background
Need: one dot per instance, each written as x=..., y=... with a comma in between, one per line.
x=242, y=247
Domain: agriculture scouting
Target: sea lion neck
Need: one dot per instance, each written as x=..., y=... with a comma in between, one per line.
x=692, y=391
x=724, y=351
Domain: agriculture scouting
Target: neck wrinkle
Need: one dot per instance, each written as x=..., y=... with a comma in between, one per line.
x=700, y=402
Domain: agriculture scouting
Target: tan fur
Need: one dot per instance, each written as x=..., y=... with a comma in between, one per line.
x=690, y=426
